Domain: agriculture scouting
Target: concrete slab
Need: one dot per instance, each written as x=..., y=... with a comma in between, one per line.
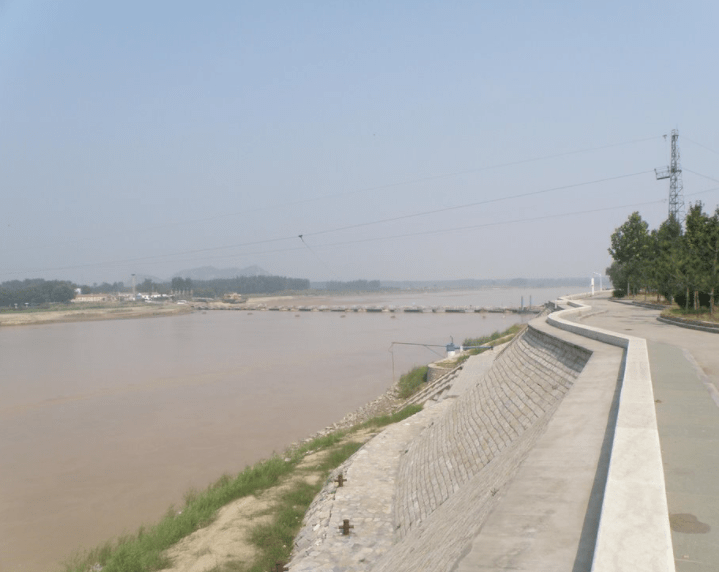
x=547, y=517
x=689, y=434
x=685, y=373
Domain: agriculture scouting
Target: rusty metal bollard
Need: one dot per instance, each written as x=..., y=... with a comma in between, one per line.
x=345, y=528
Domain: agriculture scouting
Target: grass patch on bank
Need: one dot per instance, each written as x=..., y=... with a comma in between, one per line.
x=493, y=339
x=384, y=420
x=274, y=541
x=411, y=381
x=144, y=551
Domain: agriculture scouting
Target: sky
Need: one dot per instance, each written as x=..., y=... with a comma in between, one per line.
x=345, y=140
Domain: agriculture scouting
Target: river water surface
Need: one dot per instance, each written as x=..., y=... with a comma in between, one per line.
x=104, y=425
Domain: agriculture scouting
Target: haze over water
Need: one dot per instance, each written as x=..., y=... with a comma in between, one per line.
x=103, y=425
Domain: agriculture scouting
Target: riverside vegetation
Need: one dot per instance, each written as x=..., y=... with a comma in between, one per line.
x=679, y=262
x=410, y=382
x=296, y=477
x=145, y=549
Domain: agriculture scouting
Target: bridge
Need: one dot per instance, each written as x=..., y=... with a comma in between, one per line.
x=398, y=309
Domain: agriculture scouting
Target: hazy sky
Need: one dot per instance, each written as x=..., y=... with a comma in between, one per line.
x=148, y=137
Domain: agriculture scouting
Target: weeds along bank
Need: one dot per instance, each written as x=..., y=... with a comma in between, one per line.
x=290, y=481
x=296, y=482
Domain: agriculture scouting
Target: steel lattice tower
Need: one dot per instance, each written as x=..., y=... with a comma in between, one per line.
x=674, y=174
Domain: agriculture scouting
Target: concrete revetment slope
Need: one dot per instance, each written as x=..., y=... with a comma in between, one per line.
x=546, y=460
x=523, y=386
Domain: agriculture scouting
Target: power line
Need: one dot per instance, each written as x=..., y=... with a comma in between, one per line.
x=360, y=191
x=705, y=176
x=438, y=231
x=370, y=223
x=454, y=229
x=490, y=224
x=474, y=204
x=148, y=260
x=700, y=145
x=702, y=192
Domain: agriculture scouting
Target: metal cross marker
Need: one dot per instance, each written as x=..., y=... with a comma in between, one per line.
x=345, y=528
x=280, y=567
x=340, y=480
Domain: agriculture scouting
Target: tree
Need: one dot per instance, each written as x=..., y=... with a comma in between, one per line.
x=631, y=250
x=62, y=292
x=670, y=268
x=146, y=286
x=702, y=237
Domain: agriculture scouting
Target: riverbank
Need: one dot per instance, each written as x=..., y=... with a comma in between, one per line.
x=81, y=313
x=129, y=414
x=249, y=522
x=246, y=522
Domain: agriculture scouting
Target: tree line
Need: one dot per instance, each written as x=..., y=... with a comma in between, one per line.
x=247, y=285
x=678, y=262
x=35, y=291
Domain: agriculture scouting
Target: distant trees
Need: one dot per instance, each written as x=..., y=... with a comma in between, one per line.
x=35, y=291
x=247, y=285
x=181, y=284
x=105, y=287
x=681, y=265
x=39, y=291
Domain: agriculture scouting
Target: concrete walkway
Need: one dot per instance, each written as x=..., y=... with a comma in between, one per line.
x=547, y=518
x=685, y=375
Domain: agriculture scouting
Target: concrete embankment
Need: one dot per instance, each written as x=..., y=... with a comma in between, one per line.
x=634, y=528
x=508, y=473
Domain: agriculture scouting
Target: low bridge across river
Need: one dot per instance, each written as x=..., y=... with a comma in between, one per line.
x=392, y=309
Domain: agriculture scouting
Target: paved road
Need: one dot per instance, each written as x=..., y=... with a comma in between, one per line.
x=685, y=376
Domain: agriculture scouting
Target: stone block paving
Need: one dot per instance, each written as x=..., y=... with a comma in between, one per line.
x=524, y=384
x=420, y=490
x=365, y=499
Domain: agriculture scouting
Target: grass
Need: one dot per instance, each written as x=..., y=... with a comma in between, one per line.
x=274, y=541
x=383, y=420
x=493, y=338
x=702, y=314
x=144, y=550
x=411, y=381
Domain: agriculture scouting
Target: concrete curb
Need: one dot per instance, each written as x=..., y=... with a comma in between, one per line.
x=640, y=304
x=634, y=531
x=688, y=324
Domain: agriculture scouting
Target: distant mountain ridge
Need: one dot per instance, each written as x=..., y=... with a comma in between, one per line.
x=212, y=273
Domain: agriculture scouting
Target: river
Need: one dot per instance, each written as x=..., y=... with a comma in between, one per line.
x=104, y=425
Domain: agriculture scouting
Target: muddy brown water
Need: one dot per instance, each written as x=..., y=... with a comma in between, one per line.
x=104, y=425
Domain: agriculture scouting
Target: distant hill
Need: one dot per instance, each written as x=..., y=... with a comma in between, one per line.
x=212, y=273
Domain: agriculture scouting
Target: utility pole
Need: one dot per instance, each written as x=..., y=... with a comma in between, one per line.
x=674, y=173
